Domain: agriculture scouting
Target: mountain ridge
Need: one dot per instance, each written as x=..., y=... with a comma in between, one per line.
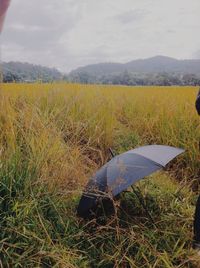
x=158, y=70
x=154, y=64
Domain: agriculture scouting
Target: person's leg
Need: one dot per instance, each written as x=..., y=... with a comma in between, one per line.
x=197, y=225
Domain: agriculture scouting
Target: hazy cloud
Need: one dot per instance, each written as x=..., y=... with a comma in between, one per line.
x=67, y=33
x=197, y=54
x=131, y=16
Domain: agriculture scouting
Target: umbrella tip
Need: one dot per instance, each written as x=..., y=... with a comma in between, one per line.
x=111, y=152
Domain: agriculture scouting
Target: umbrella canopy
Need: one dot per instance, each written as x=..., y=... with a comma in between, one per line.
x=123, y=171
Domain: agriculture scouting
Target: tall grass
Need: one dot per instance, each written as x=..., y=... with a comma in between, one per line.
x=54, y=136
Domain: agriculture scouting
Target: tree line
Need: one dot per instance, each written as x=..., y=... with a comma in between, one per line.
x=136, y=79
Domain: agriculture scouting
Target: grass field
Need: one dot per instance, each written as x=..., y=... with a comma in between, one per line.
x=54, y=136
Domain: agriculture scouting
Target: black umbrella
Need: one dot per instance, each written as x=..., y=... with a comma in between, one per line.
x=123, y=171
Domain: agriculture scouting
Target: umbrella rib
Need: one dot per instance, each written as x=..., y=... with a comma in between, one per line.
x=130, y=166
x=154, y=162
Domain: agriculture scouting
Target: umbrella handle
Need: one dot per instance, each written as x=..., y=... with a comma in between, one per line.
x=142, y=203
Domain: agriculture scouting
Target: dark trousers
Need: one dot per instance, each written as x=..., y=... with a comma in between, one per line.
x=197, y=222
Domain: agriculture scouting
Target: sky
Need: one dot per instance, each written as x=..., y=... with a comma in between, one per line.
x=67, y=34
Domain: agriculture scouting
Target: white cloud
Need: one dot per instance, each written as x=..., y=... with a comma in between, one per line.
x=67, y=33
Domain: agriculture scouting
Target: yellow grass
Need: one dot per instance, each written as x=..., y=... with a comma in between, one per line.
x=66, y=129
x=53, y=136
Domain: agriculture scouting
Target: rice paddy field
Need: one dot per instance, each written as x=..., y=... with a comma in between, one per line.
x=53, y=137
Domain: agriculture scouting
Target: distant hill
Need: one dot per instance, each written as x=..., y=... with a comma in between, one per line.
x=158, y=70
x=157, y=64
x=26, y=72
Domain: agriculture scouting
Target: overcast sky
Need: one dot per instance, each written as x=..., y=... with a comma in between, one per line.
x=70, y=33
